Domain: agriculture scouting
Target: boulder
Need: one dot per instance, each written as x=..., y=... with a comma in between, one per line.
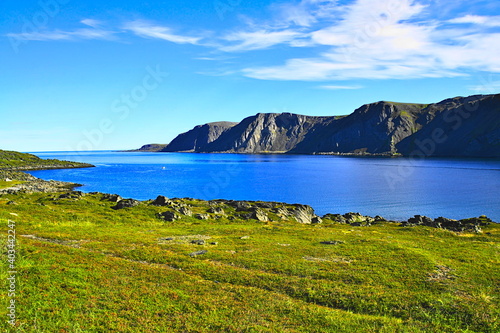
x=198, y=253
x=202, y=216
x=258, y=214
x=184, y=210
x=217, y=210
x=303, y=214
x=161, y=201
x=111, y=197
x=126, y=203
x=169, y=216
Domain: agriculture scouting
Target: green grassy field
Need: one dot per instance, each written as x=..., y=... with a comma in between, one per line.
x=85, y=267
x=10, y=160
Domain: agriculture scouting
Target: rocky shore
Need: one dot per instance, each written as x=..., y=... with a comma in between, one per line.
x=26, y=183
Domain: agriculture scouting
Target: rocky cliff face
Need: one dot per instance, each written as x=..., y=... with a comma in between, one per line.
x=458, y=126
x=271, y=132
x=198, y=138
x=373, y=128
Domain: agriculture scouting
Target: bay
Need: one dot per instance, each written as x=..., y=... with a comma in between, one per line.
x=395, y=188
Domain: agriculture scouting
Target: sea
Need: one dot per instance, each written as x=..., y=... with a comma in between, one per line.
x=394, y=188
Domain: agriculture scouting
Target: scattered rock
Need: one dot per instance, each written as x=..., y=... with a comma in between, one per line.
x=11, y=203
x=258, y=214
x=303, y=213
x=240, y=205
x=331, y=242
x=166, y=239
x=111, y=197
x=71, y=195
x=198, y=253
x=161, y=201
x=168, y=216
x=471, y=225
x=214, y=243
x=316, y=220
x=198, y=242
x=217, y=210
x=185, y=211
x=245, y=237
x=202, y=216
x=126, y=203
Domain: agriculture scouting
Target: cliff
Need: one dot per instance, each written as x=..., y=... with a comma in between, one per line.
x=460, y=126
x=199, y=137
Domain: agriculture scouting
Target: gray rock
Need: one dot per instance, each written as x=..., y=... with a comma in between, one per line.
x=202, y=216
x=169, y=216
x=303, y=213
x=126, y=203
x=161, y=201
x=111, y=197
x=217, y=210
x=331, y=242
x=197, y=253
x=198, y=242
x=185, y=211
x=258, y=214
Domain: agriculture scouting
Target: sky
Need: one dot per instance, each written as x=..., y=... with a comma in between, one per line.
x=108, y=75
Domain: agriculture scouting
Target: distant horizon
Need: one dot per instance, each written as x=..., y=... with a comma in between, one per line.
x=128, y=73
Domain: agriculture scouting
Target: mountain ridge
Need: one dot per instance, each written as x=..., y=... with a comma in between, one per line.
x=458, y=126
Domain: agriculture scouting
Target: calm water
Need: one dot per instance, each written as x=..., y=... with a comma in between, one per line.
x=394, y=188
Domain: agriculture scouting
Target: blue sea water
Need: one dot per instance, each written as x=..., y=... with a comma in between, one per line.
x=395, y=188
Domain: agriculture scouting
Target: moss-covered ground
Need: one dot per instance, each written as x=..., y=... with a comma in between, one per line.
x=82, y=266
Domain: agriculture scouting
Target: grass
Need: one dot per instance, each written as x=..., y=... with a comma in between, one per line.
x=10, y=160
x=84, y=267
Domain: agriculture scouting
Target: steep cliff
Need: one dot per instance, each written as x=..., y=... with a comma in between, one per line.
x=270, y=132
x=460, y=126
x=198, y=138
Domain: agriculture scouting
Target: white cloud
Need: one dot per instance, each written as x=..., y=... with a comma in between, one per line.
x=91, y=23
x=378, y=39
x=258, y=40
x=489, y=21
x=63, y=35
x=148, y=30
x=333, y=87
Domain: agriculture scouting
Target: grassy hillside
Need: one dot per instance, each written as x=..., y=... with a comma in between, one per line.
x=86, y=267
x=11, y=160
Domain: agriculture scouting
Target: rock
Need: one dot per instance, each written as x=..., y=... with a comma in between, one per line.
x=303, y=213
x=217, y=210
x=357, y=220
x=111, y=197
x=126, y=203
x=198, y=253
x=168, y=216
x=185, y=211
x=259, y=215
x=316, y=220
x=198, y=242
x=214, y=243
x=71, y=195
x=202, y=216
x=335, y=218
x=161, y=201
x=240, y=205
x=245, y=237
x=331, y=242
x=472, y=225
x=265, y=205
x=11, y=203
x=166, y=239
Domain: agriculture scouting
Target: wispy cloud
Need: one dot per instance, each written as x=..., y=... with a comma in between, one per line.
x=334, y=87
x=150, y=30
x=259, y=40
x=379, y=39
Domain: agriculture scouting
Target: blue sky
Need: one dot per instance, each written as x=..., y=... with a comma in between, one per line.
x=97, y=75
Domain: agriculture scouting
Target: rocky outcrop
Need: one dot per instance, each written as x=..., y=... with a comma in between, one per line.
x=198, y=138
x=266, y=133
x=458, y=126
x=466, y=225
